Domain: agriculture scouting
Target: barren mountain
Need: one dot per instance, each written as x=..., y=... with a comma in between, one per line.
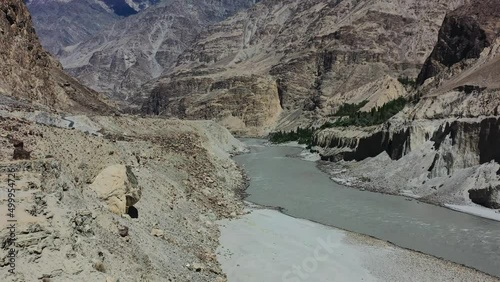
x=61, y=23
x=29, y=72
x=309, y=56
x=144, y=209
x=141, y=47
x=443, y=147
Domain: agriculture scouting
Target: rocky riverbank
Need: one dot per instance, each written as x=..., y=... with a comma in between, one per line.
x=382, y=175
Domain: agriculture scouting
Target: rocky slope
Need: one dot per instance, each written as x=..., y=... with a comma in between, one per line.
x=102, y=198
x=29, y=72
x=320, y=54
x=148, y=201
x=442, y=147
x=62, y=23
x=141, y=47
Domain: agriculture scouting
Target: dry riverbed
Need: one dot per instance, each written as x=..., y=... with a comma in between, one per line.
x=266, y=245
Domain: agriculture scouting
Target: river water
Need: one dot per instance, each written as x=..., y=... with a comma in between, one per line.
x=278, y=179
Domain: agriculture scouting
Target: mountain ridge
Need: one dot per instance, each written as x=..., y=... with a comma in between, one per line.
x=315, y=51
x=132, y=51
x=31, y=73
x=62, y=23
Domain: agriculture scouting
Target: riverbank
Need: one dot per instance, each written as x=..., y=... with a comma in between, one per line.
x=354, y=175
x=372, y=175
x=283, y=178
x=266, y=245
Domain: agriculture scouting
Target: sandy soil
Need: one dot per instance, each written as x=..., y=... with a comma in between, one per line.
x=266, y=245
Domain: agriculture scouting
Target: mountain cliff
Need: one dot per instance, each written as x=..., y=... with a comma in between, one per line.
x=319, y=54
x=29, y=72
x=128, y=53
x=143, y=210
x=443, y=145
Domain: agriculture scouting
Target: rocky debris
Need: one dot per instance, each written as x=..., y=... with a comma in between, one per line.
x=71, y=229
x=118, y=187
x=39, y=205
x=99, y=266
x=111, y=279
x=196, y=267
x=157, y=232
x=82, y=223
x=19, y=152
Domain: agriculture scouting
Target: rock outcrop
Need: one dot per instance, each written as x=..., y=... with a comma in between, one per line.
x=321, y=54
x=488, y=197
x=29, y=72
x=464, y=35
x=118, y=187
x=247, y=105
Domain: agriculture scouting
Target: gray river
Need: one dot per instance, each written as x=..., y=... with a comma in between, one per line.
x=303, y=191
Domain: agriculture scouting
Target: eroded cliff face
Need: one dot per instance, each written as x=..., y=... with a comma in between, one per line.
x=247, y=105
x=464, y=35
x=29, y=72
x=320, y=53
x=443, y=147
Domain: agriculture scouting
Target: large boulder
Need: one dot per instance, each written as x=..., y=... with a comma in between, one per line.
x=489, y=197
x=118, y=187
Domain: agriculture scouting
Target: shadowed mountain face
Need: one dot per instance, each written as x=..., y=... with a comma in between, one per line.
x=29, y=72
x=120, y=7
x=134, y=50
x=61, y=23
x=465, y=33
